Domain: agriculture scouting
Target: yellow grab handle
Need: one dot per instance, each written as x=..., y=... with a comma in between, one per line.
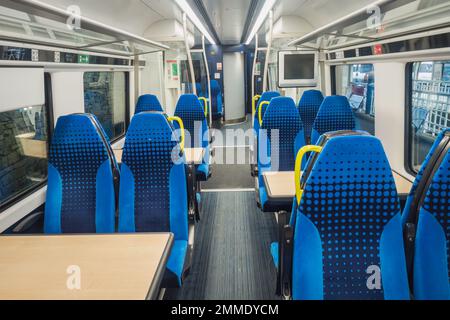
x=260, y=111
x=206, y=104
x=255, y=98
x=183, y=134
x=298, y=169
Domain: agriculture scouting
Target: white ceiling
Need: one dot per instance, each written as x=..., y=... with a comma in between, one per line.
x=228, y=18
x=134, y=16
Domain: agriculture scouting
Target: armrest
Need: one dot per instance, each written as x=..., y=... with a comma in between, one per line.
x=285, y=256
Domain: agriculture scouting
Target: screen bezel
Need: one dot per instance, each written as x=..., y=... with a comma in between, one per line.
x=297, y=83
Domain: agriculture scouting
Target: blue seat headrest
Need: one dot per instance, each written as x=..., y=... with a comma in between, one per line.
x=308, y=107
x=148, y=102
x=190, y=110
x=335, y=114
x=282, y=115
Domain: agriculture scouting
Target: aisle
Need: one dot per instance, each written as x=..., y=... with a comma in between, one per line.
x=231, y=258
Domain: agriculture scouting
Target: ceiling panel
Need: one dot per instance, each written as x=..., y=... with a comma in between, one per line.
x=228, y=18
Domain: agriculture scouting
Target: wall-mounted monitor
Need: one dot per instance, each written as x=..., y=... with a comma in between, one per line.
x=297, y=69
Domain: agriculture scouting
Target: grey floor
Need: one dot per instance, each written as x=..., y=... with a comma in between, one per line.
x=232, y=258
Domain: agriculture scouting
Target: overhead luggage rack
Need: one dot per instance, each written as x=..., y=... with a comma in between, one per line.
x=39, y=23
x=384, y=19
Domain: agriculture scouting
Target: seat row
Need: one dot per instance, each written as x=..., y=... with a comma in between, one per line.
x=88, y=192
x=282, y=129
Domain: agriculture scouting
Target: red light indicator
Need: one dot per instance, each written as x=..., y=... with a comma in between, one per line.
x=378, y=49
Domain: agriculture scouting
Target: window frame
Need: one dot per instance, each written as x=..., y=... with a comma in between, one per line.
x=127, y=101
x=48, y=105
x=409, y=167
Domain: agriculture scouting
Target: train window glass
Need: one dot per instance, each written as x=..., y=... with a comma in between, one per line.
x=24, y=151
x=105, y=96
x=429, y=107
x=356, y=82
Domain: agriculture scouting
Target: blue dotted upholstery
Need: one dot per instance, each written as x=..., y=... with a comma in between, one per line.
x=190, y=110
x=265, y=97
x=80, y=194
x=335, y=114
x=216, y=99
x=309, y=106
x=95, y=102
x=283, y=130
x=431, y=258
x=348, y=226
x=148, y=102
x=153, y=187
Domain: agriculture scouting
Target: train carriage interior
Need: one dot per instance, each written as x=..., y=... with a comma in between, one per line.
x=198, y=150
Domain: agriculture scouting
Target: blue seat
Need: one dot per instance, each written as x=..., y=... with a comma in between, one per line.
x=82, y=178
x=308, y=107
x=216, y=99
x=265, y=97
x=281, y=137
x=335, y=114
x=148, y=102
x=190, y=110
x=428, y=213
x=347, y=241
x=153, y=187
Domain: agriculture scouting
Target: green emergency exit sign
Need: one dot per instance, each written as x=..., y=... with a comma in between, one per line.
x=83, y=58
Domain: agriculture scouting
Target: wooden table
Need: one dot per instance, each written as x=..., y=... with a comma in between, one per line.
x=112, y=267
x=193, y=155
x=280, y=186
x=31, y=147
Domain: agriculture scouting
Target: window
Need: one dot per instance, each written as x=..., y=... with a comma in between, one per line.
x=357, y=83
x=23, y=152
x=428, y=108
x=105, y=96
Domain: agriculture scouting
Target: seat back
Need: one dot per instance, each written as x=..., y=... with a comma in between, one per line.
x=335, y=114
x=283, y=129
x=428, y=215
x=265, y=97
x=148, y=102
x=216, y=98
x=81, y=178
x=190, y=110
x=308, y=107
x=153, y=187
x=348, y=234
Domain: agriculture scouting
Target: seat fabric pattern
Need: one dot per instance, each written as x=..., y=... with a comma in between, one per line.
x=148, y=102
x=348, y=226
x=80, y=196
x=335, y=114
x=148, y=153
x=190, y=110
x=309, y=106
x=265, y=97
x=282, y=119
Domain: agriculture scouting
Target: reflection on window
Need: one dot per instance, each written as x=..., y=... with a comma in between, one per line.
x=186, y=81
x=430, y=107
x=357, y=83
x=105, y=97
x=23, y=152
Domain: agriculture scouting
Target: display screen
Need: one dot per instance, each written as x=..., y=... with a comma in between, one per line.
x=299, y=66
